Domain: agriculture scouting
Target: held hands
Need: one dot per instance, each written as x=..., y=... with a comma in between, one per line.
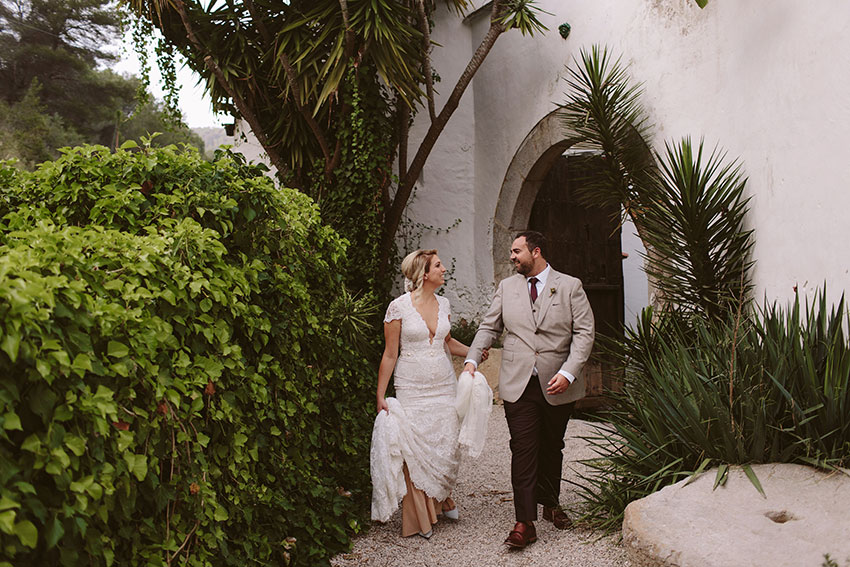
x=558, y=385
x=471, y=368
x=382, y=405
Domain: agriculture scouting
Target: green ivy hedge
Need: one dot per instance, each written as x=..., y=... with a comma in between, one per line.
x=178, y=377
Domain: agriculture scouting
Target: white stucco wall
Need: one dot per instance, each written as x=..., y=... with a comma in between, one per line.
x=765, y=79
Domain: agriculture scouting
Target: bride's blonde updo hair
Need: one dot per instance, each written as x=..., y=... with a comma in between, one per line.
x=414, y=267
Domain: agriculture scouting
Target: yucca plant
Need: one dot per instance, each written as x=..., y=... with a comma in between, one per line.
x=695, y=228
x=709, y=381
x=604, y=110
x=766, y=386
x=688, y=208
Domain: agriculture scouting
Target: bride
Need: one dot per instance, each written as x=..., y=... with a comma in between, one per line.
x=425, y=384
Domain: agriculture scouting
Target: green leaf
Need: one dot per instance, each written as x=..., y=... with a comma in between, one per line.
x=82, y=364
x=25, y=487
x=7, y=521
x=54, y=532
x=61, y=357
x=220, y=514
x=137, y=464
x=10, y=344
x=11, y=422
x=173, y=396
x=748, y=470
x=117, y=349
x=61, y=456
x=129, y=145
x=95, y=490
x=31, y=443
x=125, y=439
x=76, y=444
x=27, y=533
x=699, y=470
x=722, y=473
x=702, y=3
x=8, y=504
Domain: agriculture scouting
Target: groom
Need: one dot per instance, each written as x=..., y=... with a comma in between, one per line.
x=550, y=333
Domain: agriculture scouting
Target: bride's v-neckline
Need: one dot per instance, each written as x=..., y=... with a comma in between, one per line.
x=431, y=335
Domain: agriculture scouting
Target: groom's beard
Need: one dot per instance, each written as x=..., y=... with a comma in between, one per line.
x=522, y=268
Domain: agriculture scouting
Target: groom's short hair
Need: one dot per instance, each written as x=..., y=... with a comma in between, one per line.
x=534, y=239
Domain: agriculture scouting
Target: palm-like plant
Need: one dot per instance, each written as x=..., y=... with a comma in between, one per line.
x=688, y=211
x=604, y=110
x=695, y=228
x=772, y=387
x=708, y=380
x=289, y=68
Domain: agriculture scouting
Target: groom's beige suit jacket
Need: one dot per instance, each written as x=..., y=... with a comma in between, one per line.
x=555, y=333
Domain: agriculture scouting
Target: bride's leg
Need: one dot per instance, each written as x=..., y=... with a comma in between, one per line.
x=418, y=513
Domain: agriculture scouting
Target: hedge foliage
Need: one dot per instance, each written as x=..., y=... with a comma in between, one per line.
x=178, y=377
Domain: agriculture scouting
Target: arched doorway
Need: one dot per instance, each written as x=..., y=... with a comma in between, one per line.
x=584, y=242
x=538, y=192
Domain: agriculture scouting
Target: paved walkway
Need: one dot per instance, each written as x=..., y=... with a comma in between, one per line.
x=485, y=503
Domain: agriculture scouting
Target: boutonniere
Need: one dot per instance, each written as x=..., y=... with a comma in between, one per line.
x=551, y=291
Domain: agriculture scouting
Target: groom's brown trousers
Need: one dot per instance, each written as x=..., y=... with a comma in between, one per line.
x=537, y=440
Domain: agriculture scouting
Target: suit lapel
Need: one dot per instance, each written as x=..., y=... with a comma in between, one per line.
x=546, y=295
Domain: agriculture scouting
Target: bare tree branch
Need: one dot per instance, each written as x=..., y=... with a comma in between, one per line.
x=426, y=57
x=349, y=34
x=403, y=131
x=393, y=215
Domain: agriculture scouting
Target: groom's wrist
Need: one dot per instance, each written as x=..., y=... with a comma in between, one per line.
x=570, y=378
x=470, y=361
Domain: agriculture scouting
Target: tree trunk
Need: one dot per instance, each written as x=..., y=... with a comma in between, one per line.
x=393, y=215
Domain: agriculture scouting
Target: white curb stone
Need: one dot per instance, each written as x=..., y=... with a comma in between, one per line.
x=805, y=515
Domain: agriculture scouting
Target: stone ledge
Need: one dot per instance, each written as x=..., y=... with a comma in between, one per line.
x=806, y=514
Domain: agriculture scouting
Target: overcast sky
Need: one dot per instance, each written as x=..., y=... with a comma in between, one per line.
x=196, y=108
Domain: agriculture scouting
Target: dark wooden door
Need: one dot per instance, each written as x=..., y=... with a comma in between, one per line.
x=585, y=242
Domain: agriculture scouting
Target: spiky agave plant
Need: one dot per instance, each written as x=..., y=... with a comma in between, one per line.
x=771, y=387
x=688, y=208
x=695, y=227
x=603, y=111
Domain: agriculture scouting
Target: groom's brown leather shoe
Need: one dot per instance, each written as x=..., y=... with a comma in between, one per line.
x=557, y=516
x=522, y=535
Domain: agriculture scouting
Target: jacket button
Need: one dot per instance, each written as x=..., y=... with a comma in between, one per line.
x=536, y=331
x=536, y=353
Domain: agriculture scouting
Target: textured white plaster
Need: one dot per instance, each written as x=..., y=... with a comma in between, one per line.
x=763, y=79
x=766, y=80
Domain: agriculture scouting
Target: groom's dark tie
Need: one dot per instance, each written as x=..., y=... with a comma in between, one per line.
x=533, y=290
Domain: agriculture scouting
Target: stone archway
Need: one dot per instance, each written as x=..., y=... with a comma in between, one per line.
x=526, y=172
x=536, y=194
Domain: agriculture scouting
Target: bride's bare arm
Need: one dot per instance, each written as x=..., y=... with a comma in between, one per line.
x=392, y=332
x=456, y=347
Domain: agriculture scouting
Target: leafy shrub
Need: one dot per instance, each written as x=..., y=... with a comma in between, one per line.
x=177, y=381
x=768, y=387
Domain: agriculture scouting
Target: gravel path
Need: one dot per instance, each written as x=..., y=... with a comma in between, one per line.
x=485, y=502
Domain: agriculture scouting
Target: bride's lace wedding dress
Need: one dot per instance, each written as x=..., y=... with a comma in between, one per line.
x=423, y=423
